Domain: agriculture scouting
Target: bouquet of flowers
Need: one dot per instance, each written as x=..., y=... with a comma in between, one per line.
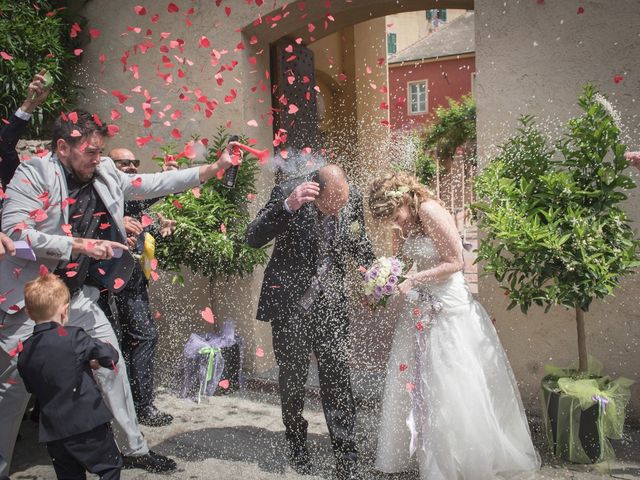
x=381, y=281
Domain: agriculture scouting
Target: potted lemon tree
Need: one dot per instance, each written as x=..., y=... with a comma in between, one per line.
x=556, y=235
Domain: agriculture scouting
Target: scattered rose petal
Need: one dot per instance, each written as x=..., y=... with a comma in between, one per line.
x=259, y=352
x=6, y=56
x=136, y=182
x=618, y=78
x=146, y=220
x=208, y=316
x=403, y=367
x=172, y=8
x=117, y=283
x=224, y=384
x=13, y=352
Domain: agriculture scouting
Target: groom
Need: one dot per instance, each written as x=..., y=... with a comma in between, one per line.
x=318, y=226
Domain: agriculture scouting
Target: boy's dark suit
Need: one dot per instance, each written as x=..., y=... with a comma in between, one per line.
x=322, y=328
x=74, y=420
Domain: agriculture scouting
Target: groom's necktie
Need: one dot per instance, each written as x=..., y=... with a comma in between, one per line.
x=326, y=231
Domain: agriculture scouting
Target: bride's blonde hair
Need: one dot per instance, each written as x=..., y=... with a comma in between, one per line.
x=389, y=193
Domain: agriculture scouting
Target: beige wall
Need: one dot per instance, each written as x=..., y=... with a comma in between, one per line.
x=410, y=27
x=533, y=58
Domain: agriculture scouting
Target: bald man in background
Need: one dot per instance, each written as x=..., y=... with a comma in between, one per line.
x=129, y=311
x=318, y=226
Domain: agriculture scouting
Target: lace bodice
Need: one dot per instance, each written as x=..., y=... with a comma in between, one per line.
x=422, y=250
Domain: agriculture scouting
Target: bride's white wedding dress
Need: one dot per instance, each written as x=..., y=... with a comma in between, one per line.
x=451, y=403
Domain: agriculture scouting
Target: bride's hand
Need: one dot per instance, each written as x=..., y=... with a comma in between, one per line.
x=406, y=286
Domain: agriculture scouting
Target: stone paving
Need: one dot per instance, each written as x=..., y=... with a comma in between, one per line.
x=239, y=436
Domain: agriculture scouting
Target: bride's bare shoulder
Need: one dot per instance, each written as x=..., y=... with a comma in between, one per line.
x=432, y=210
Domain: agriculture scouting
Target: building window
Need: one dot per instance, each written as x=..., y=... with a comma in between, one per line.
x=437, y=14
x=391, y=43
x=417, y=97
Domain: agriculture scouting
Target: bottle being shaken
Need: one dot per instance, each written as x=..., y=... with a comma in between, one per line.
x=230, y=176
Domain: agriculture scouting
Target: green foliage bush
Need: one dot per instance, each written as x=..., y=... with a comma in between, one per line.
x=426, y=168
x=556, y=233
x=199, y=241
x=37, y=41
x=453, y=127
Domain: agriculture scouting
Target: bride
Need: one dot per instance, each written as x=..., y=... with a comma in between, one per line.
x=450, y=395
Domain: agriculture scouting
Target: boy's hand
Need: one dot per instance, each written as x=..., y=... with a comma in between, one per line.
x=94, y=364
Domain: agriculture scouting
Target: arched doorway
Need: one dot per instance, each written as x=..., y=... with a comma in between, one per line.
x=328, y=66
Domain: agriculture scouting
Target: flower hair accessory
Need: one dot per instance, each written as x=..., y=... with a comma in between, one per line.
x=399, y=192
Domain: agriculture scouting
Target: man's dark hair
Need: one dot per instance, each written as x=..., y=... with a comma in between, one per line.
x=86, y=124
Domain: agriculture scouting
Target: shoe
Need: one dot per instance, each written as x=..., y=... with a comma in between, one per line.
x=299, y=459
x=348, y=470
x=152, y=417
x=151, y=462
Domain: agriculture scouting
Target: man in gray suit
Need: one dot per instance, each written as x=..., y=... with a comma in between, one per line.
x=69, y=207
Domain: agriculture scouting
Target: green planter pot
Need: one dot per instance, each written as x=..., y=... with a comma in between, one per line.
x=572, y=433
x=581, y=415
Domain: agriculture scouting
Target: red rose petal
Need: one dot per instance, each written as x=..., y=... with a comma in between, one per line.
x=146, y=220
x=208, y=316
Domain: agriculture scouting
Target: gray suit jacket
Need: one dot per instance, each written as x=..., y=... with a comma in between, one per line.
x=38, y=186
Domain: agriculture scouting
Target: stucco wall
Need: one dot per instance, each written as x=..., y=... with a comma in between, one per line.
x=533, y=58
x=456, y=84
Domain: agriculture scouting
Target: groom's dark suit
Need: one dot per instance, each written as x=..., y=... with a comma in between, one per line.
x=323, y=328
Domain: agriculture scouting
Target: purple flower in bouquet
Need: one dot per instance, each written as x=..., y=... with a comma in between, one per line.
x=381, y=281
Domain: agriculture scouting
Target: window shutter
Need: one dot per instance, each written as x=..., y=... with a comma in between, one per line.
x=442, y=14
x=429, y=15
x=391, y=43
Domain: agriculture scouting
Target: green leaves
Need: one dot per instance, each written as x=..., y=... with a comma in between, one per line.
x=36, y=41
x=556, y=234
x=453, y=126
x=211, y=223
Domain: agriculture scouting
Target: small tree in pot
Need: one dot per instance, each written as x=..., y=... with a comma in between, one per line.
x=557, y=235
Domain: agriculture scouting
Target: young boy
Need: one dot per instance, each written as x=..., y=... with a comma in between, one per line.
x=55, y=365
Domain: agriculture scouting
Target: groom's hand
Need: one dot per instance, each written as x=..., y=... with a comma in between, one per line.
x=304, y=193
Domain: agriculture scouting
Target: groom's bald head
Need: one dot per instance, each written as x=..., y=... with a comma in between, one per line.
x=334, y=189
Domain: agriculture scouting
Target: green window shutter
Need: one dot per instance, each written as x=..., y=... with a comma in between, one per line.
x=429, y=15
x=442, y=14
x=391, y=43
